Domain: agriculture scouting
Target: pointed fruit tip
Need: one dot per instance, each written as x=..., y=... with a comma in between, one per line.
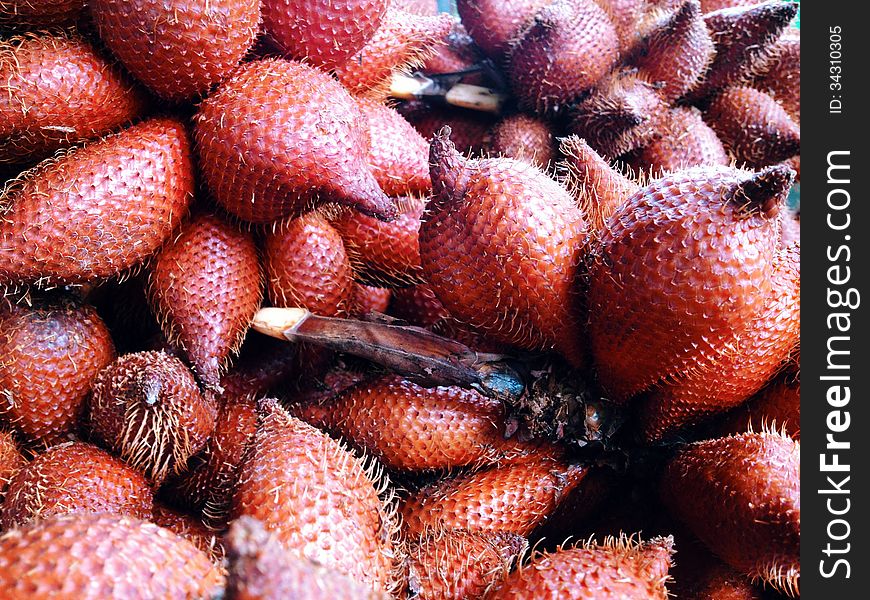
x=767, y=189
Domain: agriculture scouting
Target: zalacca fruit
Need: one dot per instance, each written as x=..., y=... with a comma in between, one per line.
x=33, y=14
x=97, y=211
x=280, y=137
x=777, y=405
x=11, y=460
x=495, y=23
x=524, y=137
x=368, y=299
x=683, y=140
x=781, y=75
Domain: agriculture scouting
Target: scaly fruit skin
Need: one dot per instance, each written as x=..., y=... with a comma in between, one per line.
x=11, y=460
x=318, y=499
x=56, y=90
x=676, y=53
x=679, y=266
x=614, y=570
x=698, y=575
x=568, y=48
x=493, y=24
x=470, y=129
x=459, y=564
x=50, y=354
x=457, y=53
x=384, y=254
x=524, y=137
x=625, y=16
x=190, y=528
x=324, y=33
x=94, y=557
x=754, y=128
x=205, y=286
x=509, y=220
x=738, y=365
x=684, y=140
x=280, y=137
x=417, y=7
x=402, y=42
x=418, y=305
x=97, y=211
x=178, y=48
x=307, y=266
x=740, y=495
x=398, y=156
x=75, y=478
x=147, y=408
x=368, y=299
x=777, y=406
x=260, y=568
x=38, y=14
x=516, y=497
x=411, y=428
x=781, y=75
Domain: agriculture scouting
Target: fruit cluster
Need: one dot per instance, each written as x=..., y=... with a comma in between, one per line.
x=614, y=227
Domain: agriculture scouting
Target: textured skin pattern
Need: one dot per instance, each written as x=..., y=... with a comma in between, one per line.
x=698, y=575
x=386, y=254
x=260, y=568
x=368, y=299
x=684, y=140
x=418, y=7
x=50, y=354
x=324, y=33
x=411, y=428
x=781, y=75
x=205, y=287
x=99, y=210
x=711, y=5
x=495, y=23
x=190, y=528
x=402, y=42
x=75, y=478
x=178, y=48
x=569, y=47
x=680, y=265
x=318, y=499
x=418, y=305
x=524, y=137
x=778, y=406
x=281, y=136
x=740, y=495
x=56, y=90
x=11, y=460
x=737, y=366
x=599, y=188
x=516, y=497
x=676, y=53
x=508, y=220
x=458, y=53
x=616, y=570
x=622, y=114
x=625, y=16
x=100, y=557
x=37, y=14
x=147, y=408
x=470, y=129
x=460, y=565
x=307, y=266
x=754, y=128
x=743, y=39
x=398, y=156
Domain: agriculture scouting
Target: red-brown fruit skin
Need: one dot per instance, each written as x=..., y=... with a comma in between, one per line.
x=515, y=497
x=398, y=155
x=676, y=53
x=737, y=366
x=324, y=33
x=318, y=499
x=777, y=406
x=626, y=16
x=781, y=75
x=368, y=299
x=459, y=564
x=684, y=140
x=493, y=24
x=458, y=53
x=470, y=129
x=524, y=137
x=307, y=266
x=205, y=286
x=279, y=137
x=506, y=220
x=614, y=570
x=712, y=5
x=740, y=495
x=754, y=128
x=147, y=408
x=94, y=557
x=261, y=568
x=418, y=305
x=569, y=47
x=679, y=266
x=699, y=575
x=38, y=14
x=402, y=42
x=384, y=254
x=97, y=211
x=190, y=528
x=11, y=460
x=417, y=7
x=412, y=428
x=50, y=354
x=178, y=48
x=73, y=478
x=56, y=90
